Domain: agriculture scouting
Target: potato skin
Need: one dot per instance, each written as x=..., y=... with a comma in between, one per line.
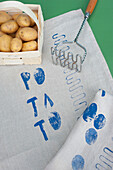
x=28, y=34
x=15, y=16
x=9, y=27
x=35, y=27
x=4, y=17
x=30, y=46
x=1, y=33
x=17, y=33
x=23, y=20
x=16, y=45
x=15, y=29
x=5, y=43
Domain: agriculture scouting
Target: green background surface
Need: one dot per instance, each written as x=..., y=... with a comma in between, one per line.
x=101, y=20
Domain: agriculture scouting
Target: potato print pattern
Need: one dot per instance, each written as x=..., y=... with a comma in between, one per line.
x=54, y=119
x=91, y=134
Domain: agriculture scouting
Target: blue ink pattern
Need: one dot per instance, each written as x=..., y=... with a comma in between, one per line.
x=90, y=112
x=39, y=76
x=99, y=121
x=40, y=124
x=25, y=77
x=47, y=98
x=91, y=136
x=103, y=93
x=78, y=162
x=106, y=160
x=55, y=121
x=74, y=84
x=32, y=100
x=108, y=151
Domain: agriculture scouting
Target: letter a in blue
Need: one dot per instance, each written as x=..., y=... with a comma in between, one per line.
x=47, y=98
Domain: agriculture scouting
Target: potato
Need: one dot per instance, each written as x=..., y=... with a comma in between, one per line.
x=35, y=27
x=9, y=27
x=16, y=44
x=1, y=33
x=23, y=20
x=4, y=17
x=5, y=43
x=28, y=34
x=32, y=21
x=15, y=16
x=17, y=33
x=30, y=46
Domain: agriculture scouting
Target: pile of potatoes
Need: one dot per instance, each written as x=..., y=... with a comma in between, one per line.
x=18, y=32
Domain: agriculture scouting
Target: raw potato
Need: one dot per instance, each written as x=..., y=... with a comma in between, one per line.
x=30, y=46
x=5, y=43
x=23, y=20
x=28, y=34
x=16, y=44
x=4, y=17
x=17, y=33
x=32, y=21
x=35, y=27
x=9, y=27
x=1, y=33
x=17, y=28
x=15, y=16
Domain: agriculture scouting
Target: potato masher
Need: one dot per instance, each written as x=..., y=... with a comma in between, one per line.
x=58, y=56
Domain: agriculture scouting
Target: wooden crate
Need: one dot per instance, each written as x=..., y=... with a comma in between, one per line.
x=27, y=57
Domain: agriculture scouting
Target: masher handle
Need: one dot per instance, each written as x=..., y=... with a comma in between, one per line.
x=91, y=6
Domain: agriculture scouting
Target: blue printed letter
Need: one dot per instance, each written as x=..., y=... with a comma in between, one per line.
x=32, y=100
x=46, y=97
x=41, y=128
x=55, y=121
x=39, y=76
x=25, y=77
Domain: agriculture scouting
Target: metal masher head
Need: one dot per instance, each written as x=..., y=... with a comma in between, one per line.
x=66, y=58
x=59, y=56
x=71, y=59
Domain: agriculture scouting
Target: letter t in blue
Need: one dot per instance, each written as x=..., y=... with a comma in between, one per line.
x=40, y=124
x=32, y=100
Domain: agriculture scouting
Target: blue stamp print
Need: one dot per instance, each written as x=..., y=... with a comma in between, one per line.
x=103, y=93
x=25, y=77
x=40, y=124
x=99, y=121
x=32, y=100
x=39, y=76
x=47, y=98
x=91, y=136
x=78, y=162
x=90, y=112
x=55, y=121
